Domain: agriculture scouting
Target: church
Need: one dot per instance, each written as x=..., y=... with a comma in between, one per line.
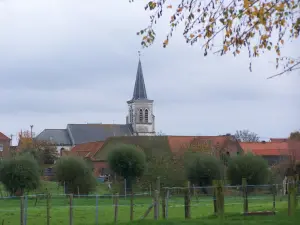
x=140, y=121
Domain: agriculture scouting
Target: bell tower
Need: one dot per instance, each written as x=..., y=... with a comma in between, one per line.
x=140, y=108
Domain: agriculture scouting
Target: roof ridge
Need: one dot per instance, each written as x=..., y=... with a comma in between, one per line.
x=55, y=129
x=95, y=124
x=4, y=136
x=89, y=142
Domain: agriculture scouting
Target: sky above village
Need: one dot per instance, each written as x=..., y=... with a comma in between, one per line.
x=71, y=61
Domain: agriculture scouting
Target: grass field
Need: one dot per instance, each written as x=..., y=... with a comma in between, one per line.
x=86, y=211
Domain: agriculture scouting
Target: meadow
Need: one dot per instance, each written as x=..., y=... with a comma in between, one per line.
x=90, y=210
x=98, y=208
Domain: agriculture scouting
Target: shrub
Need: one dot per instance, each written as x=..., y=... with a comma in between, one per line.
x=202, y=169
x=75, y=174
x=127, y=161
x=253, y=168
x=20, y=174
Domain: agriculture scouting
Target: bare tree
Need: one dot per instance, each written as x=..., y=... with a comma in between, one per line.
x=246, y=136
x=295, y=136
x=160, y=133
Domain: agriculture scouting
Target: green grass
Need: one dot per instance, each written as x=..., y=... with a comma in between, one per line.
x=84, y=211
x=54, y=188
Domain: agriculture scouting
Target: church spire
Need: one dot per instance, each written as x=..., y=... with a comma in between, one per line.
x=139, y=86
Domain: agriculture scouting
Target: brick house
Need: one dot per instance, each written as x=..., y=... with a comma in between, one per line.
x=88, y=151
x=4, y=146
x=97, y=151
x=275, y=151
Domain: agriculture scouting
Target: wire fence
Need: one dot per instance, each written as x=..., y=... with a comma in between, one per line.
x=175, y=202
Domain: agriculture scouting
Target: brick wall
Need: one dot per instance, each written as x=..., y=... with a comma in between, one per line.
x=100, y=167
x=5, y=151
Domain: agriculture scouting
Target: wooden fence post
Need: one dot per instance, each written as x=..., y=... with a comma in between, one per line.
x=214, y=197
x=156, y=204
x=116, y=204
x=274, y=197
x=48, y=208
x=187, y=202
x=167, y=202
x=245, y=194
x=71, y=209
x=97, y=209
x=22, y=210
x=164, y=204
x=131, y=205
x=220, y=198
x=292, y=196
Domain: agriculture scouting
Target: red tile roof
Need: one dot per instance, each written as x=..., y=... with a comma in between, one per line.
x=266, y=148
x=179, y=144
x=278, y=139
x=87, y=149
x=3, y=137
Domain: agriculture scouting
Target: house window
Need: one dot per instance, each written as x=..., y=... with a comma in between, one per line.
x=146, y=115
x=1, y=147
x=141, y=115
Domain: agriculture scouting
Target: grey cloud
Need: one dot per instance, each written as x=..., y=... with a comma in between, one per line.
x=74, y=62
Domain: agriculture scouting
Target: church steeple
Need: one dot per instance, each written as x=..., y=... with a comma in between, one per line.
x=139, y=92
x=140, y=108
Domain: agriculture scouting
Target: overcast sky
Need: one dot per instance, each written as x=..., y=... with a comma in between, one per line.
x=71, y=61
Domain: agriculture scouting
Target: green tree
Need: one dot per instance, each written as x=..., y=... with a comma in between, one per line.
x=253, y=25
x=42, y=151
x=128, y=162
x=201, y=169
x=20, y=174
x=246, y=136
x=75, y=174
x=253, y=168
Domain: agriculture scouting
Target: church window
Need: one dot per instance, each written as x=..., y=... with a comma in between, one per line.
x=131, y=116
x=146, y=115
x=141, y=115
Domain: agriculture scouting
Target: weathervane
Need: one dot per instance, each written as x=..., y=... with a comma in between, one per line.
x=139, y=52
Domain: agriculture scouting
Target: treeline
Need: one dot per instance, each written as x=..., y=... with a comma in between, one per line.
x=22, y=172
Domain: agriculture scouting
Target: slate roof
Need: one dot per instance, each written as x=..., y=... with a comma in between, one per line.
x=139, y=92
x=83, y=133
x=58, y=136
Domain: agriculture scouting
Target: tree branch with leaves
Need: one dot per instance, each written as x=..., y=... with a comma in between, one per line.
x=255, y=25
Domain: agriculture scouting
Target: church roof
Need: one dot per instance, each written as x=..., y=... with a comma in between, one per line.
x=58, y=136
x=139, y=92
x=82, y=133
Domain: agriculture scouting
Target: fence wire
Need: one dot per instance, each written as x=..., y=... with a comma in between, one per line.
x=99, y=209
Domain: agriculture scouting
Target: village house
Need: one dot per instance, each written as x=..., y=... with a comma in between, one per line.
x=158, y=145
x=274, y=151
x=4, y=146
